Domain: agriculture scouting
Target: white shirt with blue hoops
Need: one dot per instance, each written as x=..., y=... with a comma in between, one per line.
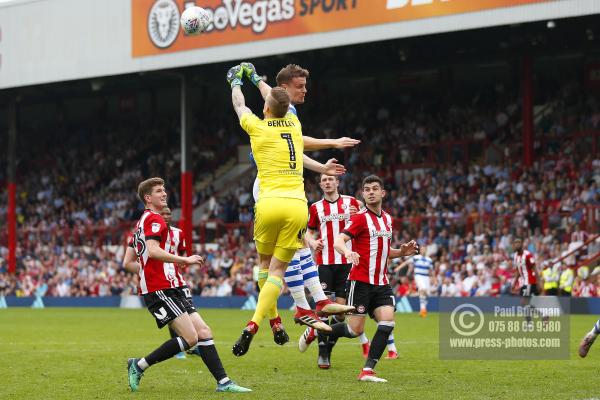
x=422, y=265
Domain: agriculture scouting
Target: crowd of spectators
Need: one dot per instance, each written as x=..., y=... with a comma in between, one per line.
x=477, y=264
x=465, y=211
x=77, y=178
x=89, y=270
x=480, y=264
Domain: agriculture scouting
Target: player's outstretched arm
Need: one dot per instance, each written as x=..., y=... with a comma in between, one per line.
x=339, y=244
x=239, y=103
x=256, y=79
x=404, y=264
x=234, y=79
x=130, y=263
x=331, y=167
x=312, y=144
x=156, y=252
x=407, y=249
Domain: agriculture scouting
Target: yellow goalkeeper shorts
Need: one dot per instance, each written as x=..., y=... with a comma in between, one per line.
x=279, y=226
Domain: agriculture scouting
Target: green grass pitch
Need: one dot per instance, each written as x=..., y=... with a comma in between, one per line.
x=81, y=354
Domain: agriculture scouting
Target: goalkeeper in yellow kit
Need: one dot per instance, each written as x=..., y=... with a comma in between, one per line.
x=281, y=212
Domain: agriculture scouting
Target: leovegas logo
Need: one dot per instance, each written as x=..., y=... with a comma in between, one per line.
x=395, y=4
x=245, y=21
x=257, y=15
x=231, y=13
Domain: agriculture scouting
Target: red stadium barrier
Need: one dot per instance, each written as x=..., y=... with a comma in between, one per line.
x=585, y=142
x=209, y=231
x=94, y=235
x=588, y=218
x=449, y=152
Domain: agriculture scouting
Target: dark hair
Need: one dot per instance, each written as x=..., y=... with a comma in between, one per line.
x=290, y=72
x=280, y=102
x=372, y=179
x=146, y=187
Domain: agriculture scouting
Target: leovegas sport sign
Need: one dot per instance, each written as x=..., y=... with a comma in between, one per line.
x=155, y=23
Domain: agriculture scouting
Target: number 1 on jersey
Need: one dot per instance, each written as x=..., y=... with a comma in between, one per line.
x=288, y=137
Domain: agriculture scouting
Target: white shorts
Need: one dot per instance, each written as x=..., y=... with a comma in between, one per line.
x=255, y=189
x=422, y=282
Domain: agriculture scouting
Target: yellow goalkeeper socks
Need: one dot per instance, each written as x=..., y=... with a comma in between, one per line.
x=267, y=299
x=263, y=274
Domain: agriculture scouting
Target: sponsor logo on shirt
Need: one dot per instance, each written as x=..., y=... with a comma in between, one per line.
x=334, y=217
x=382, y=234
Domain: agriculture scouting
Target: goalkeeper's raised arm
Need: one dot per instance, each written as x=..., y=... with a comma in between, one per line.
x=250, y=72
x=234, y=79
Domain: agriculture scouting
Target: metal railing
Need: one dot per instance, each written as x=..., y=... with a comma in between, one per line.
x=449, y=152
x=588, y=218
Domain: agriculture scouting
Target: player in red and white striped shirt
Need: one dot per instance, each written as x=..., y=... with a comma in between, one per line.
x=524, y=261
x=177, y=247
x=369, y=290
x=161, y=286
x=327, y=219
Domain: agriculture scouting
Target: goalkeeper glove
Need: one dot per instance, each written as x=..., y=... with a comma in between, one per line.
x=250, y=73
x=235, y=76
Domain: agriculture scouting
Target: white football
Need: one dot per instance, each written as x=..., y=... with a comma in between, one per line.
x=195, y=20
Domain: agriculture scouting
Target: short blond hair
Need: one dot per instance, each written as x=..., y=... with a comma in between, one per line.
x=278, y=102
x=145, y=187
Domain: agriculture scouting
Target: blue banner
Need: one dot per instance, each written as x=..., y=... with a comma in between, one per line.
x=407, y=304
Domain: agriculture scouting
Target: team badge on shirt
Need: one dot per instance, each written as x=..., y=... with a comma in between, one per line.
x=155, y=227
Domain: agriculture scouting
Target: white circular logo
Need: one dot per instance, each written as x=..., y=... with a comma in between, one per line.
x=163, y=23
x=464, y=319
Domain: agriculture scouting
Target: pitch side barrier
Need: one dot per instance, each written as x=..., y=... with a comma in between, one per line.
x=403, y=304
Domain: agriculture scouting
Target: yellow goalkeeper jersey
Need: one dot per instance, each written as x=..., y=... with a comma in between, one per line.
x=277, y=147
